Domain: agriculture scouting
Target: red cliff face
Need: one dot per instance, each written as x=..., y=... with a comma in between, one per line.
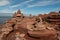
x=21, y=27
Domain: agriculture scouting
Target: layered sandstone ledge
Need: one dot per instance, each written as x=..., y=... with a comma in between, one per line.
x=41, y=27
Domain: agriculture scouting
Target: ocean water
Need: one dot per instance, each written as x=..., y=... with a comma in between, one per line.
x=4, y=18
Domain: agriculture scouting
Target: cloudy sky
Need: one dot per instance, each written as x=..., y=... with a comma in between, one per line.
x=29, y=6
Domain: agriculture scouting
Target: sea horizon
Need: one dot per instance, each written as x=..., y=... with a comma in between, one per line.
x=4, y=18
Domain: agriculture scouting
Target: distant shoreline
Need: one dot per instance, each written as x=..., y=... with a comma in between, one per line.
x=4, y=18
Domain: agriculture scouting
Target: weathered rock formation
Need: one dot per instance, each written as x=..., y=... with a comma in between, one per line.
x=41, y=27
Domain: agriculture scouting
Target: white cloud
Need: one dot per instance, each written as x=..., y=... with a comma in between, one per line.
x=21, y=4
x=4, y=2
x=7, y=11
x=39, y=3
x=44, y=3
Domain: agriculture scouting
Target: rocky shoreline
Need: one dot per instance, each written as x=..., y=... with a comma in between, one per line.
x=41, y=27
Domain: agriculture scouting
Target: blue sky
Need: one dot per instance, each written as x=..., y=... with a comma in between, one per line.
x=27, y=7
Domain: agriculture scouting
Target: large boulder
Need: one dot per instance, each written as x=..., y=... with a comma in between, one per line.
x=44, y=34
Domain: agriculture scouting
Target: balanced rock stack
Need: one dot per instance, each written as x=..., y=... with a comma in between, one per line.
x=21, y=27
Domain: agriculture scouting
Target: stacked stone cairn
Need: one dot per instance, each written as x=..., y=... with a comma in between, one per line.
x=21, y=27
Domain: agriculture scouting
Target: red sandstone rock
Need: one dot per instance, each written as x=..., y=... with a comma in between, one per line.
x=33, y=27
x=43, y=35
